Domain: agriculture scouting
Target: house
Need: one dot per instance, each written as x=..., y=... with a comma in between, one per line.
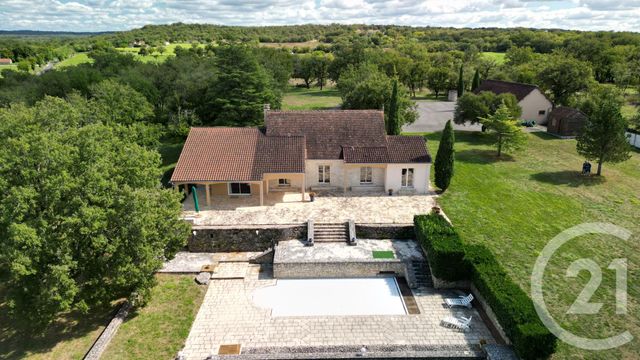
x=534, y=103
x=566, y=121
x=5, y=61
x=300, y=151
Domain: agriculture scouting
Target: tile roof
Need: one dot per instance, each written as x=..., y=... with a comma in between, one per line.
x=565, y=112
x=327, y=131
x=245, y=154
x=500, y=87
x=365, y=154
x=407, y=149
x=236, y=154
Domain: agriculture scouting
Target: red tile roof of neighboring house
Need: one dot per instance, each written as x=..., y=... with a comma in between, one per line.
x=5, y=61
x=327, y=131
x=500, y=87
x=236, y=154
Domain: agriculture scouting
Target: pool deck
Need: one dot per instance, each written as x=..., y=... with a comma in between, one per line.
x=228, y=315
x=296, y=251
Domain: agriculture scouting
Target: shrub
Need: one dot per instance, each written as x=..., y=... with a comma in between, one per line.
x=512, y=306
x=443, y=246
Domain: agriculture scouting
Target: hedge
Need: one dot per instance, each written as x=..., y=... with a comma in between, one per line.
x=512, y=306
x=451, y=260
x=443, y=245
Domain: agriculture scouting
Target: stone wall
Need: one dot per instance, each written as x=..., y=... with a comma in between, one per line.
x=385, y=231
x=361, y=268
x=242, y=238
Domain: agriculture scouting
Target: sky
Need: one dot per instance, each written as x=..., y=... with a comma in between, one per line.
x=103, y=15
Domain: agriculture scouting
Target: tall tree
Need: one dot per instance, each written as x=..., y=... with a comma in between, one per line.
x=461, y=81
x=476, y=80
x=438, y=79
x=473, y=107
x=119, y=103
x=507, y=133
x=564, y=76
x=393, y=122
x=445, y=158
x=84, y=219
x=603, y=136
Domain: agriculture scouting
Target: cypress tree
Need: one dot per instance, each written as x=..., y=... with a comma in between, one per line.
x=476, y=81
x=393, y=123
x=445, y=158
x=461, y=82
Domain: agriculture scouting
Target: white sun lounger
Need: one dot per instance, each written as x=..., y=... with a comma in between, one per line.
x=460, y=301
x=461, y=323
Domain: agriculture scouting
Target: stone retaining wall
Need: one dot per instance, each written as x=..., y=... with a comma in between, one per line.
x=385, y=231
x=360, y=268
x=107, y=334
x=242, y=238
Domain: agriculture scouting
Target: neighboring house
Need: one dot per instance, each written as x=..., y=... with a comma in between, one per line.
x=4, y=61
x=634, y=137
x=566, y=122
x=345, y=150
x=534, y=103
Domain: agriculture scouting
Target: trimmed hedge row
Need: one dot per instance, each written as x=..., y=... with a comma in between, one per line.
x=512, y=306
x=444, y=247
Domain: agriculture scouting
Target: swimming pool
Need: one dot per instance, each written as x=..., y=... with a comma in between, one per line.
x=338, y=297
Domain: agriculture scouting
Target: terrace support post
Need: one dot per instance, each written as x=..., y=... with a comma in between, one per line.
x=261, y=194
x=345, y=176
x=303, y=187
x=208, y=192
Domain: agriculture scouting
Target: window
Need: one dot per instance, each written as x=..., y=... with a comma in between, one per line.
x=407, y=177
x=366, y=175
x=324, y=174
x=284, y=182
x=239, y=189
x=541, y=112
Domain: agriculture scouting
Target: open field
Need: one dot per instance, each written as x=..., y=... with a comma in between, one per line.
x=70, y=337
x=156, y=57
x=12, y=67
x=76, y=59
x=497, y=57
x=158, y=330
x=517, y=204
x=301, y=98
x=289, y=45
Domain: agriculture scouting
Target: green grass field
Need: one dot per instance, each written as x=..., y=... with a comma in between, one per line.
x=156, y=57
x=300, y=98
x=515, y=205
x=159, y=330
x=12, y=67
x=497, y=57
x=70, y=337
x=76, y=59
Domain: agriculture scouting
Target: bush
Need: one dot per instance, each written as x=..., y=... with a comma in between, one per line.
x=443, y=246
x=512, y=306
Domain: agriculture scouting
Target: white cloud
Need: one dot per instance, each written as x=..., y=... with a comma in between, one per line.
x=103, y=15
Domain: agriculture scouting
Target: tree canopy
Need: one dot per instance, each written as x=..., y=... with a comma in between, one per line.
x=83, y=219
x=473, y=107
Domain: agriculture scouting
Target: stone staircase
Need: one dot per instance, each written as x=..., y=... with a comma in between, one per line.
x=330, y=232
x=419, y=274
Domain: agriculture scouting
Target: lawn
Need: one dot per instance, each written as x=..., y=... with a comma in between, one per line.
x=495, y=56
x=156, y=57
x=76, y=59
x=517, y=204
x=159, y=330
x=301, y=98
x=12, y=67
x=70, y=337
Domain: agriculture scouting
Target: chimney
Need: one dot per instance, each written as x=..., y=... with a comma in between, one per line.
x=266, y=108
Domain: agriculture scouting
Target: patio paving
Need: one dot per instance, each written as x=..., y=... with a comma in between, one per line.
x=288, y=208
x=228, y=315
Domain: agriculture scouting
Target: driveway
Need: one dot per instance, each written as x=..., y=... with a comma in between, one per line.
x=433, y=115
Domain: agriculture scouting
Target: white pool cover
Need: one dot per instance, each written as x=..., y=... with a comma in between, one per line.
x=314, y=297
